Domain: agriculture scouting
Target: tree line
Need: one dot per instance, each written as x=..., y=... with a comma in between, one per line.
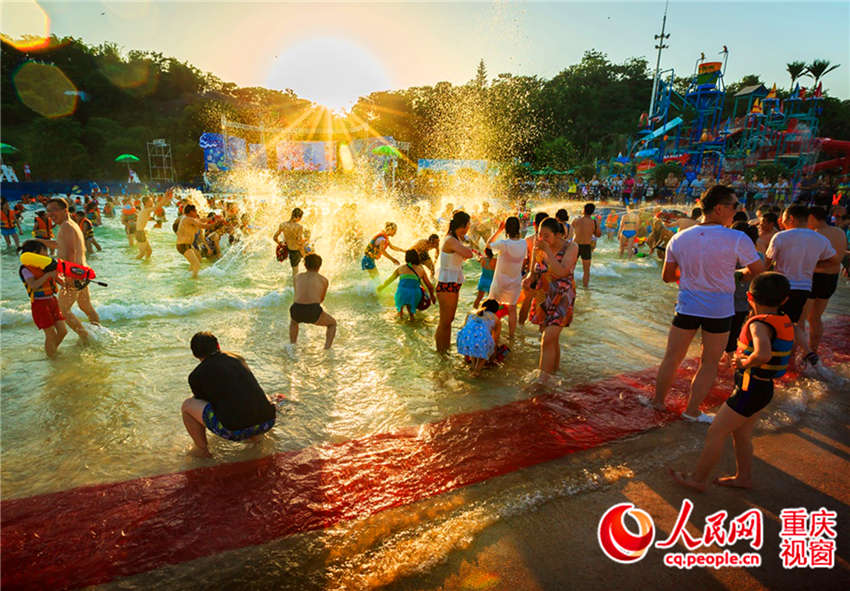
x=586, y=111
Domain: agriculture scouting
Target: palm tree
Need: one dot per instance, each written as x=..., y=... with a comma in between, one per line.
x=818, y=69
x=796, y=70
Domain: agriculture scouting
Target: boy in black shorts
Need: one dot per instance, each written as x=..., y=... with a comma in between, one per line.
x=764, y=349
x=310, y=291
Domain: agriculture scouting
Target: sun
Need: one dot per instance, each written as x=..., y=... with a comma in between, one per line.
x=331, y=71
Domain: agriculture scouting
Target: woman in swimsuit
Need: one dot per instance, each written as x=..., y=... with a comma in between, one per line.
x=552, y=308
x=450, y=277
x=409, y=292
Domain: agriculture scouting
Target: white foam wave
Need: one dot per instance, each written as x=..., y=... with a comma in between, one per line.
x=119, y=311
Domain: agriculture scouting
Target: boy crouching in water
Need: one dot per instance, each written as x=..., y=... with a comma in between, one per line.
x=310, y=291
x=42, y=287
x=764, y=349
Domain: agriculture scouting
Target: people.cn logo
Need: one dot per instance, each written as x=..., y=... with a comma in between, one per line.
x=617, y=541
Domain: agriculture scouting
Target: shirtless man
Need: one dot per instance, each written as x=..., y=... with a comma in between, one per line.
x=768, y=226
x=685, y=223
x=586, y=228
x=145, y=250
x=423, y=248
x=70, y=247
x=825, y=279
x=310, y=291
x=293, y=236
x=628, y=230
x=186, y=230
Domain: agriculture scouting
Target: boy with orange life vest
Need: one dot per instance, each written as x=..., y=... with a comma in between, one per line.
x=764, y=350
x=87, y=228
x=128, y=218
x=8, y=223
x=42, y=286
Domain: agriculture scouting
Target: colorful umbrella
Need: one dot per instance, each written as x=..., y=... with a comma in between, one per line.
x=7, y=149
x=387, y=150
x=127, y=158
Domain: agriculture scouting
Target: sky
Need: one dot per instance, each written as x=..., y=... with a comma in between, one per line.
x=332, y=53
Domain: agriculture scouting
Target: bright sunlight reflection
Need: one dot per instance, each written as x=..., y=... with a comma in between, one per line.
x=330, y=71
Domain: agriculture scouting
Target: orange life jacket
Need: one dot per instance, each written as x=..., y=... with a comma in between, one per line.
x=47, y=289
x=43, y=228
x=7, y=219
x=781, y=343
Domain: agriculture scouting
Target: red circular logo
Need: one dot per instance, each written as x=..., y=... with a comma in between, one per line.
x=617, y=541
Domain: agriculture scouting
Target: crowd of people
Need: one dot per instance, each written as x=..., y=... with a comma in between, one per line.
x=747, y=316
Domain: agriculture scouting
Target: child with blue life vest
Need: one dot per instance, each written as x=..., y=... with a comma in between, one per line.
x=479, y=337
x=488, y=266
x=412, y=282
x=764, y=349
x=42, y=286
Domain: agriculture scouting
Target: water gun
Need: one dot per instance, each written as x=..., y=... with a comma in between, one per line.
x=67, y=268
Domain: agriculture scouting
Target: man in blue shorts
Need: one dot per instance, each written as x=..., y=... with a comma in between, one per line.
x=226, y=398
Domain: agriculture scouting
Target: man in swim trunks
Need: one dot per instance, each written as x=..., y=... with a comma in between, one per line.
x=310, y=291
x=586, y=228
x=628, y=230
x=188, y=227
x=825, y=279
x=293, y=238
x=226, y=398
x=145, y=250
x=422, y=248
x=70, y=246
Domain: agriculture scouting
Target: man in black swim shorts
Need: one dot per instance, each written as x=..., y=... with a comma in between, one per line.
x=310, y=291
x=586, y=230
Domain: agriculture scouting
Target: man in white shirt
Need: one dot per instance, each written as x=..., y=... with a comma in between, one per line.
x=795, y=252
x=703, y=259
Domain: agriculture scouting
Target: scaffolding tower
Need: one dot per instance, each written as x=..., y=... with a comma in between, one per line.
x=159, y=161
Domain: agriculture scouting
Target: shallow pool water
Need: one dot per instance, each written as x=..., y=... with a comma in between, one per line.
x=110, y=411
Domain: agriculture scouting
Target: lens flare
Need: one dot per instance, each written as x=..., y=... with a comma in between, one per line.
x=136, y=75
x=46, y=89
x=26, y=26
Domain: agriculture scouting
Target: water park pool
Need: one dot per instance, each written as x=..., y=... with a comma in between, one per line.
x=385, y=457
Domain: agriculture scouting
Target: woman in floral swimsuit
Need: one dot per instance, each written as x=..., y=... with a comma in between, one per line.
x=555, y=293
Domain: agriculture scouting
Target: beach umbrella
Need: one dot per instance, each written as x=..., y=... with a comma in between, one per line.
x=387, y=150
x=128, y=158
x=7, y=148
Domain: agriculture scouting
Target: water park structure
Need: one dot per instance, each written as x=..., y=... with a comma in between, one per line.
x=690, y=128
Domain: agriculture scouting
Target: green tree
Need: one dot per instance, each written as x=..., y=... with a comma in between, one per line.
x=795, y=70
x=818, y=69
x=481, y=74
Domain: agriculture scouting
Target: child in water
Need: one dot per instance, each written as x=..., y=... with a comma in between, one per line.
x=764, y=349
x=310, y=291
x=488, y=266
x=480, y=334
x=411, y=277
x=42, y=286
